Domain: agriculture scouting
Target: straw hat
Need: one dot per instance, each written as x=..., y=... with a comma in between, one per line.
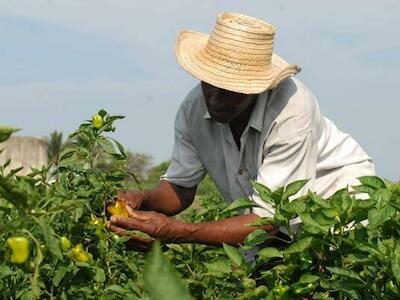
x=237, y=56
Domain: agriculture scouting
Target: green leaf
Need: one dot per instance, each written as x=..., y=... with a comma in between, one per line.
x=234, y=255
x=100, y=276
x=219, y=267
x=51, y=241
x=120, y=148
x=255, y=238
x=372, y=181
x=161, y=280
x=269, y=252
x=5, y=271
x=5, y=132
x=102, y=113
x=308, y=278
x=262, y=222
x=382, y=197
x=310, y=222
x=296, y=206
x=344, y=273
x=106, y=145
x=277, y=195
x=239, y=204
x=376, y=217
x=294, y=187
x=264, y=192
x=320, y=201
x=364, y=189
x=396, y=264
x=59, y=275
x=299, y=246
x=116, y=289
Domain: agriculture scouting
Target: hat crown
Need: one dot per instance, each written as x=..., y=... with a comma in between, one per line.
x=241, y=43
x=245, y=23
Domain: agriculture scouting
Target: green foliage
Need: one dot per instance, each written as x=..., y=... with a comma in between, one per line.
x=5, y=132
x=162, y=281
x=334, y=254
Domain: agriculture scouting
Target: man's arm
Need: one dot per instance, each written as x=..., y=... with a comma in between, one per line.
x=167, y=198
x=231, y=231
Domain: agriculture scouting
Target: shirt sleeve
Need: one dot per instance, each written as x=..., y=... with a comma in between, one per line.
x=185, y=168
x=291, y=151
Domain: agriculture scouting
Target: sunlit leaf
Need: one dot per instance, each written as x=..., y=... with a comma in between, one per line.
x=161, y=280
x=234, y=255
x=299, y=246
x=255, y=238
x=239, y=204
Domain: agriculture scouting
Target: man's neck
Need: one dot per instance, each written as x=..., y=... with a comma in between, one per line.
x=239, y=124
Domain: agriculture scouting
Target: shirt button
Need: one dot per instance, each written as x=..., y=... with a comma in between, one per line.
x=240, y=172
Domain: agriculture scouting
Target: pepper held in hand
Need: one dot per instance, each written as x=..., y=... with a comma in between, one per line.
x=19, y=246
x=118, y=209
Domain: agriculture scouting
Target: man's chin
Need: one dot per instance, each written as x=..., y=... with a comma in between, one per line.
x=223, y=121
x=220, y=119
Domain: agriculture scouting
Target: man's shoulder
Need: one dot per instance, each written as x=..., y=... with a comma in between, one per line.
x=291, y=96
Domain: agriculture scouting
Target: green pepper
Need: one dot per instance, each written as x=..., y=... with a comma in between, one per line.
x=97, y=121
x=19, y=246
x=281, y=292
x=390, y=288
x=305, y=289
x=78, y=254
x=65, y=243
x=249, y=283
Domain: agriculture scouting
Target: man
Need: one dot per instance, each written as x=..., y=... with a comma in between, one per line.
x=248, y=119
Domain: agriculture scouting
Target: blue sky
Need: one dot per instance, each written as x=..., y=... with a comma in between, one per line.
x=62, y=60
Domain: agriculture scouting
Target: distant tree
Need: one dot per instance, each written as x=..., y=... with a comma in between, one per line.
x=55, y=145
x=138, y=164
x=207, y=186
x=154, y=173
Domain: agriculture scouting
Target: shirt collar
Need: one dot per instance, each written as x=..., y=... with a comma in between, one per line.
x=207, y=115
x=257, y=115
x=256, y=120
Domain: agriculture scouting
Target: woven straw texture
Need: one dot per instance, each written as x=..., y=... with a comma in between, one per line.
x=237, y=56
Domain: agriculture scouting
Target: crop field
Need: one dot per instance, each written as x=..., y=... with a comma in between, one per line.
x=54, y=243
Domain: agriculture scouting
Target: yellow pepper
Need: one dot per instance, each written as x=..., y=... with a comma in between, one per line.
x=97, y=121
x=78, y=254
x=118, y=208
x=65, y=243
x=96, y=220
x=19, y=246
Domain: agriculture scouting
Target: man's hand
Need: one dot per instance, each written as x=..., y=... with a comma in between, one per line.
x=231, y=231
x=135, y=242
x=166, y=198
x=156, y=225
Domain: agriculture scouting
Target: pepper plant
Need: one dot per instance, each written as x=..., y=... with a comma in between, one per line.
x=54, y=243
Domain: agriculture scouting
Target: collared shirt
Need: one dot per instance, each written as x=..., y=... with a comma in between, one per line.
x=286, y=139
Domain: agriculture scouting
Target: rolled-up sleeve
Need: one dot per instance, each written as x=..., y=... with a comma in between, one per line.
x=185, y=168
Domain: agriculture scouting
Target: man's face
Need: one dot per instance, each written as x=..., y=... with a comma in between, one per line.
x=224, y=106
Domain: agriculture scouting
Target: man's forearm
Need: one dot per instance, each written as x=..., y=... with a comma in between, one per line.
x=231, y=231
x=168, y=198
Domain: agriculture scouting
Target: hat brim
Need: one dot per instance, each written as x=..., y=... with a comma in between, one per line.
x=188, y=49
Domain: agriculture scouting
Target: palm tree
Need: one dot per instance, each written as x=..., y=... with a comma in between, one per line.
x=55, y=146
